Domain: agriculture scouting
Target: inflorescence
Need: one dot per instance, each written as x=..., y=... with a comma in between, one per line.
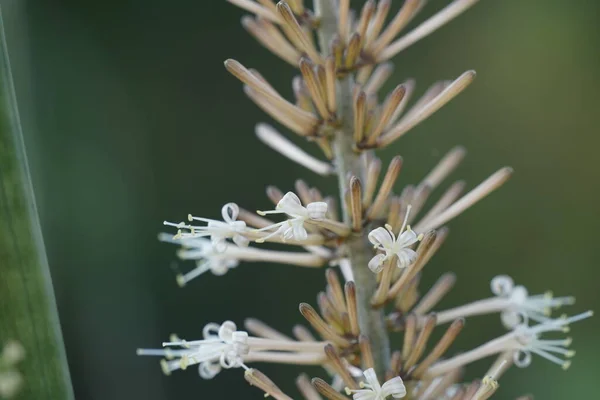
x=381, y=240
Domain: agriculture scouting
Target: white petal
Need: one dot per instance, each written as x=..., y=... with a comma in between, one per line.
x=376, y=263
x=381, y=236
x=519, y=295
x=219, y=243
x=230, y=212
x=511, y=319
x=290, y=204
x=405, y=258
x=407, y=238
x=502, y=285
x=299, y=231
x=365, y=394
x=226, y=330
x=241, y=241
x=317, y=210
x=371, y=379
x=394, y=387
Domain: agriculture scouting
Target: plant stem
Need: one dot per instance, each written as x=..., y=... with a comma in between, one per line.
x=28, y=309
x=349, y=163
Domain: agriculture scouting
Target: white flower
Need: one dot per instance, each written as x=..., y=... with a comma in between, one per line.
x=528, y=341
x=521, y=306
x=294, y=227
x=384, y=240
x=206, y=256
x=372, y=390
x=219, y=231
x=223, y=347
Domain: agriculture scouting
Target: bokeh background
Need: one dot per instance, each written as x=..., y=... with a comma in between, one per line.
x=130, y=119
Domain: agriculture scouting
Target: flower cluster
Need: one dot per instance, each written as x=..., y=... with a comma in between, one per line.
x=381, y=239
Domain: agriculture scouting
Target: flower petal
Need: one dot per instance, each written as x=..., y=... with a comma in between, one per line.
x=290, y=204
x=502, y=285
x=371, y=379
x=230, y=212
x=298, y=230
x=407, y=238
x=394, y=387
x=376, y=263
x=405, y=258
x=317, y=210
x=382, y=237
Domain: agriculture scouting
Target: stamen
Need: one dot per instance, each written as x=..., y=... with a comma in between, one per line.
x=434, y=105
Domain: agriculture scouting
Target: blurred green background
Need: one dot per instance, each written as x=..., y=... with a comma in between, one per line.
x=130, y=119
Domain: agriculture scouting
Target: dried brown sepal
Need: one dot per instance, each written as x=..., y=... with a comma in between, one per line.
x=350, y=290
x=360, y=110
x=292, y=23
x=401, y=19
x=427, y=27
x=332, y=208
x=343, y=13
x=444, y=167
x=394, y=213
x=482, y=190
x=326, y=390
x=386, y=187
x=446, y=200
x=373, y=171
x=388, y=109
x=314, y=87
x=406, y=300
x=365, y=352
x=337, y=293
x=439, y=387
x=383, y=9
x=336, y=49
x=428, y=109
x=315, y=194
x=264, y=89
x=274, y=194
x=280, y=115
x=329, y=313
x=356, y=204
x=421, y=342
x=380, y=295
x=256, y=378
x=365, y=18
x=427, y=247
x=440, y=348
x=307, y=390
x=443, y=285
x=303, y=191
x=326, y=331
x=395, y=365
x=301, y=94
x=420, y=196
x=339, y=367
x=352, y=51
x=330, y=82
x=275, y=43
x=257, y=9
x=378, y=78
x=410, y=332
